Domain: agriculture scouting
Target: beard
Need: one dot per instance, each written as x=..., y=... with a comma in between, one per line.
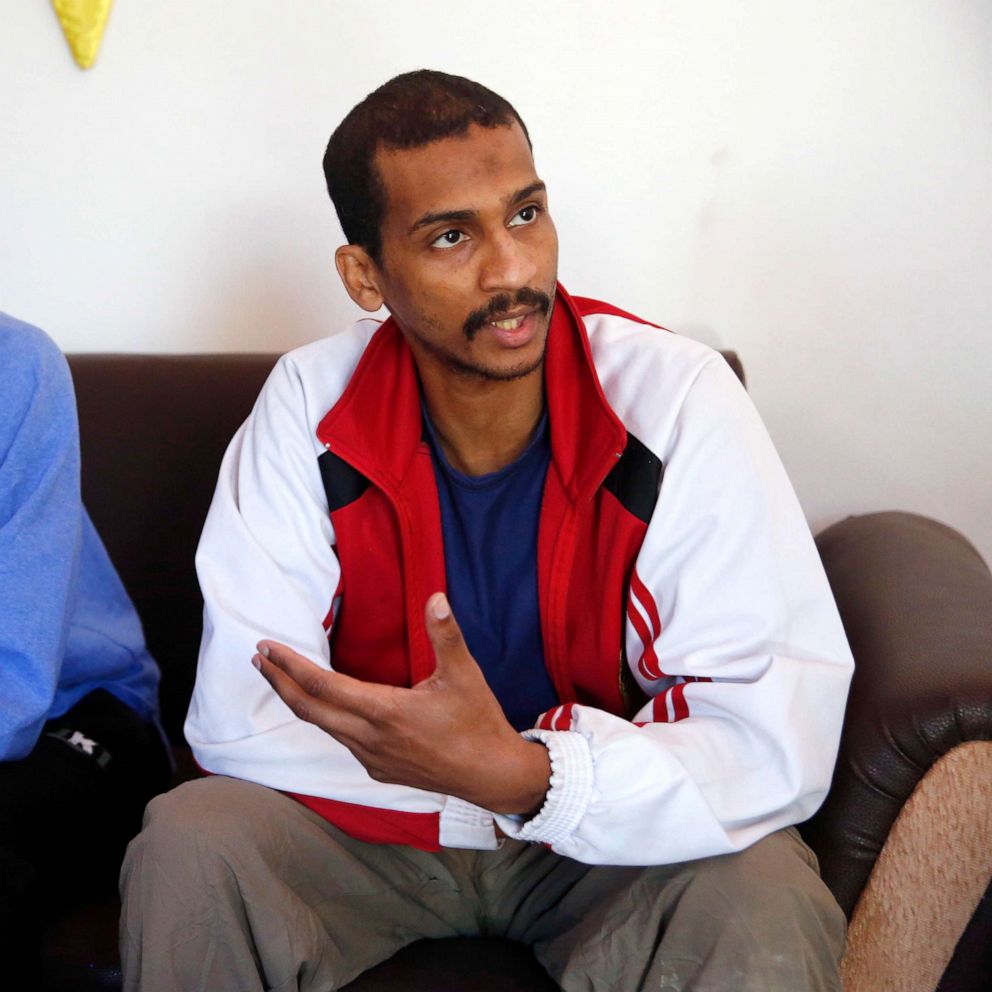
x=478, y=370
x=469, y=368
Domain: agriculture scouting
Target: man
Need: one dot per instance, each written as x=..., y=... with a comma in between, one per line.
x=503, y=508
x=80, y=750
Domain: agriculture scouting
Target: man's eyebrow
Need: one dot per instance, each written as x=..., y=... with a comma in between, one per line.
x=528, y=191
x=441, y=217
x=454, y=216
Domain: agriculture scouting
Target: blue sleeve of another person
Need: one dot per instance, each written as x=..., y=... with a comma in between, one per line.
x=67, y=626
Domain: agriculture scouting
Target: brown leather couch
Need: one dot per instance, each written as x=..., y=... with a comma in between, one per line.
x=904, y=839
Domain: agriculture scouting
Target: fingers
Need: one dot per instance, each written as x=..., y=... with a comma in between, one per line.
x=288, y=689
x=445, y=634
x=332, y=700
x=285, y=662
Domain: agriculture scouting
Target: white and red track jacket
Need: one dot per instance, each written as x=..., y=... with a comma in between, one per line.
x=688, y=626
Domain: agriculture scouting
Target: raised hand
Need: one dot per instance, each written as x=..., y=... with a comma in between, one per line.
x=446, y=734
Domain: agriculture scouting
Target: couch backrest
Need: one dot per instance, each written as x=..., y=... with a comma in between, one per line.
x=153, y=430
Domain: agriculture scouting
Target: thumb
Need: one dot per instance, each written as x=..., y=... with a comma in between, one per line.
x=446, y=637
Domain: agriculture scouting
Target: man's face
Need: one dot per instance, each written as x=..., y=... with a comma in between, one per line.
x=469, y=253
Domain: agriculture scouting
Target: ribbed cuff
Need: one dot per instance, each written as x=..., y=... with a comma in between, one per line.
x=569, y=789
x=463, y=824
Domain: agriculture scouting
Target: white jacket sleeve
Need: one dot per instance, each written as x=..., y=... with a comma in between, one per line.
x=267, y=569
x=747, y=675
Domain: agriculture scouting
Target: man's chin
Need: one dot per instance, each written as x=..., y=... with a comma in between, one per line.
x=499, y=365
x=495, y=373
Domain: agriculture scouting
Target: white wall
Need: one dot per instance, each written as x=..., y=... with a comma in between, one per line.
x=806, y=182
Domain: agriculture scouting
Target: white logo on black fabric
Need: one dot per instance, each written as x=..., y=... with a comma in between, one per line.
x=81, y=742
x=78, y=741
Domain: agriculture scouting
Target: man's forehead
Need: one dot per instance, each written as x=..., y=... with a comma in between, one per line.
x=463, y=172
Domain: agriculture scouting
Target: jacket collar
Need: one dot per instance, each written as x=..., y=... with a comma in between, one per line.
x=376, y=426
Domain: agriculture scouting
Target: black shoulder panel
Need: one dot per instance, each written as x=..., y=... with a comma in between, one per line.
x=342, y=483
x=636, y=479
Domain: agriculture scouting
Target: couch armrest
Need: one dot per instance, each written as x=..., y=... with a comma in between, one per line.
x=916, y=601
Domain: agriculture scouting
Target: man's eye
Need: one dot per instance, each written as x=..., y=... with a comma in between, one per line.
x=526, y=215
x=448, y=240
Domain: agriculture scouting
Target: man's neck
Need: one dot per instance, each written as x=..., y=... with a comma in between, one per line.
x=483, y=425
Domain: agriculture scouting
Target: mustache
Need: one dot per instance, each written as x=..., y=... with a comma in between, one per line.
x=524, y=297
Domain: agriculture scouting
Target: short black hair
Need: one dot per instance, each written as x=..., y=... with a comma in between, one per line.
x=410, y=111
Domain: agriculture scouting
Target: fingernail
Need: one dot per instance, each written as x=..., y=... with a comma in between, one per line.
x=440, y=607
x=256, y=662
x=263, y=648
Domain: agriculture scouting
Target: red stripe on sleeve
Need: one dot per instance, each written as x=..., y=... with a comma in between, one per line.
x=679, y=705
x=564, y=719
x=647, y=602
x=648, y=664
x=659, y=708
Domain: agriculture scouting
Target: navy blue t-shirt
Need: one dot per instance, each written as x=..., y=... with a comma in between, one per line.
x=490, y=555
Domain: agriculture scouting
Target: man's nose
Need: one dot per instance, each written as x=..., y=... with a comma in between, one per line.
x=506, y=264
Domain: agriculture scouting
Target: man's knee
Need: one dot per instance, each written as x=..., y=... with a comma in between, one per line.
x=773, y=890
x=758, y=919
x=200, y=822
x=778, y=864
x=207, y=801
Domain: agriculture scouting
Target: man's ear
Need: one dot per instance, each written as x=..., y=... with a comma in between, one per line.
x=360, y=276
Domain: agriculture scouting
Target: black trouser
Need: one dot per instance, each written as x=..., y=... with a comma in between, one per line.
x=67, y=812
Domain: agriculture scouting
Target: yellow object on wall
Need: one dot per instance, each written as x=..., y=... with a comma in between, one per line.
x=82, y=23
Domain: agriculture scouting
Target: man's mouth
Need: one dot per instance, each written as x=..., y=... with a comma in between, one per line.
x=508, y=313
x=510, y=323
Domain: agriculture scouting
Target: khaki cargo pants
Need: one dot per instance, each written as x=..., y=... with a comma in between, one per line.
x=232, y=887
